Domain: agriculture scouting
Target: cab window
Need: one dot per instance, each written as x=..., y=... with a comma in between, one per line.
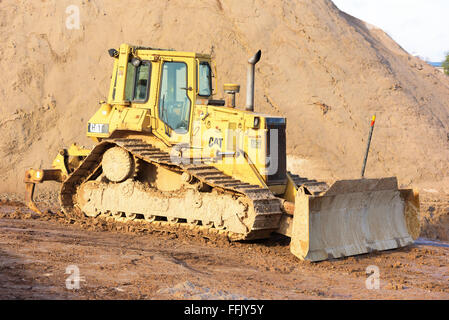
x=204, y=80
x=138, y=82
x=114, y=90
x=174, y=103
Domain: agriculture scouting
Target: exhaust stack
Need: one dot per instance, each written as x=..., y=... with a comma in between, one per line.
x=250, y=81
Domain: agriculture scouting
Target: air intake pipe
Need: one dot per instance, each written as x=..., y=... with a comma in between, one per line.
x=250, y=81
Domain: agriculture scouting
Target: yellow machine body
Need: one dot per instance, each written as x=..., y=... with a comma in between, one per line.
x=234, y=140
x=166, y=98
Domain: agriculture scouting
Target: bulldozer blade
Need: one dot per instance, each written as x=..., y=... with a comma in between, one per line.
x=354, y=217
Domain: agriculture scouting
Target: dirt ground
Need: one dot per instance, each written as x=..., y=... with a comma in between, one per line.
x=434, y=215
x=140, y=261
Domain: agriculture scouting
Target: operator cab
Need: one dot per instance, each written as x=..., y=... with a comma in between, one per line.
x=154, y=90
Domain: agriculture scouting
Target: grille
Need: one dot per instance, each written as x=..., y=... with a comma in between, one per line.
x=276, y=151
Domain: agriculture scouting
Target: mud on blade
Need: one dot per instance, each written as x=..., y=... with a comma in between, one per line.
x=354, y=217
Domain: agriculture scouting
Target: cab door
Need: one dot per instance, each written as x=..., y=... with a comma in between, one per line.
x=175, y=100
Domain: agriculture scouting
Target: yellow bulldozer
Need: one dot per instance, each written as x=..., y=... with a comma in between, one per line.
x=166, y=150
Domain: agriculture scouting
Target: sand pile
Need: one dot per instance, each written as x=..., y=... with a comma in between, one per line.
x=326, y=71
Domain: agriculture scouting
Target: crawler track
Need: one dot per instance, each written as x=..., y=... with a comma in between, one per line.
x=265, y=206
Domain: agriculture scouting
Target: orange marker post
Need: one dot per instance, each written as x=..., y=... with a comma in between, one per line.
x=373, y=121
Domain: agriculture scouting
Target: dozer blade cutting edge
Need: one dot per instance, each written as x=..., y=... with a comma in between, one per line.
x=354, y=217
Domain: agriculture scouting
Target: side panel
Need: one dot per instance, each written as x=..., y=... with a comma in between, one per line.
x=104, y=123
x=226, y=138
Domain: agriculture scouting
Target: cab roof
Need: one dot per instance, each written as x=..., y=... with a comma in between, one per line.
x=168, y=52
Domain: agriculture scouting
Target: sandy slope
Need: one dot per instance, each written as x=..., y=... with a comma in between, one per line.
x=327, y=72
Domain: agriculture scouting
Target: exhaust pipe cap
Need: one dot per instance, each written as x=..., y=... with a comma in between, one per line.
x=256, y=58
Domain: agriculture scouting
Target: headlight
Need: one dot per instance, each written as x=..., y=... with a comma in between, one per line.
x=39, y=175
x=105, y=109
x=256, y=122
x=136, y=62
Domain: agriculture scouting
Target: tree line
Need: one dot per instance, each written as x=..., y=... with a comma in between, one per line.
x=445, y=64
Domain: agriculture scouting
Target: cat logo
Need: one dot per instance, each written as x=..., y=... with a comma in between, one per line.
x=215, y=141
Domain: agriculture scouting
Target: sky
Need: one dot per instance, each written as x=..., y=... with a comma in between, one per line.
x=421, y=27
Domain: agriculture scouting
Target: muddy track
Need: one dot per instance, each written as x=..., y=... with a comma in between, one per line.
x=267, y=208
